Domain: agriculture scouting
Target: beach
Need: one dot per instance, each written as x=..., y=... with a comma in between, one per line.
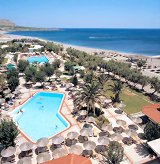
x=153, y=61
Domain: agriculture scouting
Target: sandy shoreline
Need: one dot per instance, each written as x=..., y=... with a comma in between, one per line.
x=4, y=36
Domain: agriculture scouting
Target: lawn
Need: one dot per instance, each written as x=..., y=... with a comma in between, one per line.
x=133, y=100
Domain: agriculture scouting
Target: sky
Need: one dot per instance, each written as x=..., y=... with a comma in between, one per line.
x=82, y=13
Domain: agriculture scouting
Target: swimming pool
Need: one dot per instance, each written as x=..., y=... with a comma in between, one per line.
x=38, y=59
x=40, y=116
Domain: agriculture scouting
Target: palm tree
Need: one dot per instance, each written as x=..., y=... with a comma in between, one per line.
x=102, y=79
x=89, y=96
x=116, y=88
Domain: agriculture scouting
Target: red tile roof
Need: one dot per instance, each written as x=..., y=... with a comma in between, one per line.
x=152, y=112
x=70, y=159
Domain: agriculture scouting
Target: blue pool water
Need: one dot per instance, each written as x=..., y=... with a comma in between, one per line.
x=40, y=117
x=38, y=59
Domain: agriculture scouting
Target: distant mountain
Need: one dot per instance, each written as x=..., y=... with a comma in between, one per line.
x=7, y=25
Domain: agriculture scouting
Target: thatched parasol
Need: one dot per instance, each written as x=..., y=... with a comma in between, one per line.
x=43, y=157
x=137, y=120
x=42, y=142
x=121, y=122
x=86, y=132
x=83, y=112
x=89, y=145
x=116, y=137
x=25, y=160
x=59, y=152
x=26, y=146
x=58, y=140
x=90, y=119
x=8, y=152
x=76, y=149
x=121, y=105
x=107, y=127
x=103, y=140
x=2, y=101
x=72, y=135
x=131, y=133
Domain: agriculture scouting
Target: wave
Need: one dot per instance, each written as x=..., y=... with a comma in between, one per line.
x=97, y=37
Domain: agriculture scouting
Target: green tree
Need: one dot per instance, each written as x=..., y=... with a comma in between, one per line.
x=22, y=65
x=8, y=133
x=13, y=83
x=58, y=73
x=56, y=63
x=141, y=63
x=152, y=131
x=155, y=84
x=68, y=65
x=144, y=80
x=116, y=88
x=48, y=70
x=30, y=73
x=114, y=153
x=12, y=72
x=89, y=95
x=40, y=77
x=15, y=58
x=74, y=80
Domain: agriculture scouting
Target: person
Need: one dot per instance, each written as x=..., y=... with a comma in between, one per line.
x=21, y=110
x=56, y=127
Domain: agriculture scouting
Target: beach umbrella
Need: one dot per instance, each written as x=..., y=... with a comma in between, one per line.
x=26, y=146
x=9, y=95
x=107, y=127
x=72, y=135
x=133, y=126
x=131, y=133
x=17, y=92
x=104, y=127
x=118, y=129
x=87, y=126
x=2, y=101
x=89, y=145
x=6, y=91
x=42, y=142
x=121, y=105
x=59, y=152
x=90, y=119
x=76, y=149
x=137, y=120
x=83, y=112
x=58, y=140
x=8, y=152
x=43, y=157
x=107, y=101
x=121, y=122
x=116, y=137
x=25, y=160
x=104, y=133
x=86, y=132
x=103, y=140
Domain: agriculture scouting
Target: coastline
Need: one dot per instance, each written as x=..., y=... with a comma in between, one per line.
x=5, y=36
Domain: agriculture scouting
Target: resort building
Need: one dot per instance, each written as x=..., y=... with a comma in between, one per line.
x=34, y=48
x=152, y=112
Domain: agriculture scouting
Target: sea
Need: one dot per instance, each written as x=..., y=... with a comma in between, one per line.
x=135, y=41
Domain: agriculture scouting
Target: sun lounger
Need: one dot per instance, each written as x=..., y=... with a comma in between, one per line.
x=95, y=134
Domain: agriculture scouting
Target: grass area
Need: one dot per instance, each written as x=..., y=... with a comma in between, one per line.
x=133, y=100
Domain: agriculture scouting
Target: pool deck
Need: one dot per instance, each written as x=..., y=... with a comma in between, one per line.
x=133, y=154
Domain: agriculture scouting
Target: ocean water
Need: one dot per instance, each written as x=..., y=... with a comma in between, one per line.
x=136, y=41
